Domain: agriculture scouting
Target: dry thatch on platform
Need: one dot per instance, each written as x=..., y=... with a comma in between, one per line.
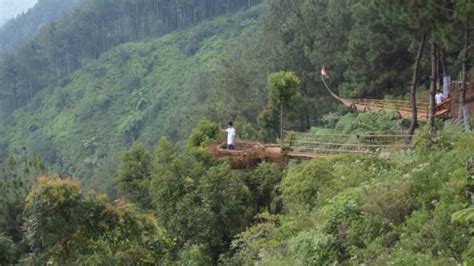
x=247, y=154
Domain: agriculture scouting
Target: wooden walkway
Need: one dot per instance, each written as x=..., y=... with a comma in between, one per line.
x=312, y=145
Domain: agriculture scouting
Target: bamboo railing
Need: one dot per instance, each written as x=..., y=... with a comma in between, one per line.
x=402, y=108
x=313, y=144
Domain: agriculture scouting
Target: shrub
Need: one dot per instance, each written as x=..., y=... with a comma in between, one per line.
x=391, y=201
x=262, y=183
x=194, y=255
x=245, y=130
x=64, y=226
x=134, y=171
x=7, y=250
x=204, y=133
x=313, y=248
x=434, y=232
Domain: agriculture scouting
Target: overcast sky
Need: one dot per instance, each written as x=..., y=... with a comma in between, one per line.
x=11, y=8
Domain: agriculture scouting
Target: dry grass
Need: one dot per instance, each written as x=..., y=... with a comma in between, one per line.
x=247, y=154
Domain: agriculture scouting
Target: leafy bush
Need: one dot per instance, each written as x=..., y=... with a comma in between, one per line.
x=194, y=255
x=134, y=172
x=369, y=122
x=313, y=248
x=8, y=252
x=198, y=203
x=367, y=210
x=65, y=226
x=262, y=183
x=391, y=201
x=204, y=133
x=244, y=129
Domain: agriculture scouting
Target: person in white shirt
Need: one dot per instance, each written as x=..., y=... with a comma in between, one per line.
x=439, y=97
x=230, y=136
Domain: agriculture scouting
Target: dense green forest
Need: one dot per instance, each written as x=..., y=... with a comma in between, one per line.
x=136, y=92
x=93, y=28
x=108, y=111
x=25, y=26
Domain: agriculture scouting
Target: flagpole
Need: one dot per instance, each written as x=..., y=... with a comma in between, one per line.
x=327, y=87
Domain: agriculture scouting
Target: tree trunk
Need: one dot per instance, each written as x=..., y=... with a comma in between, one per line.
x=433, y=83
x=463, y=108
x=281, y=121
x=414, y=84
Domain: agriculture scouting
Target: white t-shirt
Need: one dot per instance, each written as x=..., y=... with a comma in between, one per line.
x=439, y=97
x=230, y=135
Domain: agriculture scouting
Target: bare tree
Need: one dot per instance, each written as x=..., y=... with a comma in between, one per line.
x=414, y=85
x=433, y=83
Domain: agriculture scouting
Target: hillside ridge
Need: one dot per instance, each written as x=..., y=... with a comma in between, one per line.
x=129, y=94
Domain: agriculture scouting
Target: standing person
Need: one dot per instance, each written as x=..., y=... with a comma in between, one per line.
x=230, y=136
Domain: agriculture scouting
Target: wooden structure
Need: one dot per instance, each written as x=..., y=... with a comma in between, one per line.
x=248, y=154
x=311, y=145
x=454, y=91
x=402, y=108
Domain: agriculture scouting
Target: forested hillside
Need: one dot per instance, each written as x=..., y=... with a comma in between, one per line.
x=25, y=26
x=111, y=115
x=92, y=29
x=136, y=92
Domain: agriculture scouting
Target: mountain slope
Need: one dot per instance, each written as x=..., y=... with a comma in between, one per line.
x=95, y=27
x=27, y=25
x=135, y=92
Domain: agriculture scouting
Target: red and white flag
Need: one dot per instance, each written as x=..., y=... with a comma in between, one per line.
x=324, y=72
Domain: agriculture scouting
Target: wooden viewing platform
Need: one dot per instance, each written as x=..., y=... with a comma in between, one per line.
x=313, y=145
x=297, y=145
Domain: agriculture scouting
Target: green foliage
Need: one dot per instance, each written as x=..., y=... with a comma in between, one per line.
x=313, y=248
x=301, y=186
x=194, y=255
x=313, y=182
x=134, y=172
x=365, y=210
x=53, y=214
x=197, y=202
x=245, y=130
x=468, y=254
x=86, y=99
x=262, y=183
x=390, y=202
x=252, y=244
x=17, y=175
x=136, y=92
x=65, y=226
x=36, y=64
x=373, y=44
x=8, y=250
x=269, y=125
x=282, y=87
x=369, y=122
x=203, y=134
x=465, y=215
